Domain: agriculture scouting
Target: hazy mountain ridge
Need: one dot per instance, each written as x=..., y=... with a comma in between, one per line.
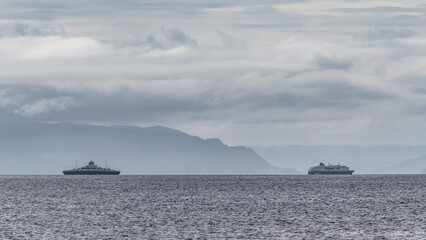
x=37, y=148
x=416, y=165
x=398, y=159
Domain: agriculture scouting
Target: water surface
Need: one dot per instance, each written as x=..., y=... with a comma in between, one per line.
x=213, y=207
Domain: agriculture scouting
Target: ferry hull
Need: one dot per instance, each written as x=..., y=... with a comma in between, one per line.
x=70, y=172
x=91, y=169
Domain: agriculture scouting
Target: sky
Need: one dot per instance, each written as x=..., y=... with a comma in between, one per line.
x=247, y=72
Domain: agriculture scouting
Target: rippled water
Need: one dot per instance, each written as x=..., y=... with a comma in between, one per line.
x=213, y=207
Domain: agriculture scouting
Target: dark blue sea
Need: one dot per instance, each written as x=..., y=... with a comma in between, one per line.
x=213, y=207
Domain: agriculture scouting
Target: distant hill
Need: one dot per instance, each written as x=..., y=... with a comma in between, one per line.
x=37, y=148
x=416, y=165
x=364, y=159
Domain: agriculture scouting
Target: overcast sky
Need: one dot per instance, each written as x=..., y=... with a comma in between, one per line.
x=247, y=72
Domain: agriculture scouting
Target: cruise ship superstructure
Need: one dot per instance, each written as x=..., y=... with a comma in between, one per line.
x=322, y=169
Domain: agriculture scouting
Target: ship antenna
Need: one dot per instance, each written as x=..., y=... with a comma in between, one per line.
x=76, y=163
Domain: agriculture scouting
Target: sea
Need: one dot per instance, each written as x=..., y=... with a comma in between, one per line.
x=213, y=207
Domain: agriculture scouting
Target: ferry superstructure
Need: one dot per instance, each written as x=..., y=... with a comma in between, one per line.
x=91, y=169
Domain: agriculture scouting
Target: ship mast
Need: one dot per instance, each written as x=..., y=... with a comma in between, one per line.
x=76, y=163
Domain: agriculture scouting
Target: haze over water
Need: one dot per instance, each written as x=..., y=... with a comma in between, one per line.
x=213, y=207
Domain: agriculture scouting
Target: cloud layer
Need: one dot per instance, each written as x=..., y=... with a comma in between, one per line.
x=270, y=73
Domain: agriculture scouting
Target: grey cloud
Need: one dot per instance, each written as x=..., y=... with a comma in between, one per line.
x=9, y=99
x=417, y=109
x=342, y=93
x=50, y=11
x=420, y=90
x=331, y=63
x=45, y=103
x=337, y=95
x=50, y=104
x=137, y=41
x=287, y=24
x=231, y=41
x=178, y=38
x=416, y=83
x=388, y=34
x=378, y=17
x=270, y=17
x=173, y=37
x=262, y=10
x=406, y=21
x=33, y=10
x=25, y=97
x=45, y=106
x=118, y=65
x=21, y=29
x=379, y=10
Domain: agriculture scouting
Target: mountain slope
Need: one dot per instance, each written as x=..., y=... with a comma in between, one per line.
x=364, y=159
x=416, y=165
x=37, y=148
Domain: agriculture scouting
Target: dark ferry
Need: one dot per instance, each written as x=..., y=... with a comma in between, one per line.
x=91, y=169
x=330, y=169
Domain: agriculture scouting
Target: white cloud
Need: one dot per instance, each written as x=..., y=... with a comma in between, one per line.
x=6, y=100
x=51, y=47
x=46, y=105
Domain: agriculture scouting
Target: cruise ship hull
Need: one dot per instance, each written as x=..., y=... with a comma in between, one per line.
x=83, y=172
x=331, y=172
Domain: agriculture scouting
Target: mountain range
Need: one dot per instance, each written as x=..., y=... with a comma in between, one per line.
x=386, y=159
x=41, y=148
